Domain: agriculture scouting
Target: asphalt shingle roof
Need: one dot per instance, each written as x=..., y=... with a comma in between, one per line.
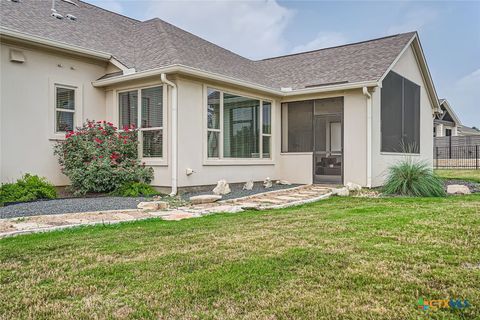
x=154, y=43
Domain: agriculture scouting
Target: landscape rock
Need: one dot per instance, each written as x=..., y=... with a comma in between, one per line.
x=457, y=189
x=283, y=182
x=341, y=192
x=267, y=183
x=248, y=185
x=222, y=188
x=152, y=205
x=353, y=186
x=226, y=209
x=206, y=198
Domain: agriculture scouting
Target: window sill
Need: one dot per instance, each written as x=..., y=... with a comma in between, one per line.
x=296, y=153
x=399, y=154
x=155, y=162
x=238, y=162
x=57, y=137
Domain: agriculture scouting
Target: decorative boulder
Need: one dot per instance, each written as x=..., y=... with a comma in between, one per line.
x=457, y=189
x=222, y=187
x=341, y=192
x=267, y=183
x=284, y=182
x=353, y=186
x=152, y=205
x=206, y=198
x=248, y=185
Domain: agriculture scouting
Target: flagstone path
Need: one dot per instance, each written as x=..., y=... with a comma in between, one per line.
x=263, y=201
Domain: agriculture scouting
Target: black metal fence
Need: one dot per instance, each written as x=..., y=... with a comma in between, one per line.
x=456, y=157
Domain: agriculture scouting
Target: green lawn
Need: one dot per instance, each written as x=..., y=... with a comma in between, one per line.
x=467, y=175
x=342, y=258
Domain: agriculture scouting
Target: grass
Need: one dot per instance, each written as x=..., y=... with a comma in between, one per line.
x=467, y=175
x=342, y=258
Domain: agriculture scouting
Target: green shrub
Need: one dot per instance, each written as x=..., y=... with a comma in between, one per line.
x=27, y=188
x=411, y=178
x=135, y=189
x=99, y=158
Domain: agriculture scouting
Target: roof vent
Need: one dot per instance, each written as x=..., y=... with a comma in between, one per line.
x=71, y=17
x=17, y=1
x=57, y=15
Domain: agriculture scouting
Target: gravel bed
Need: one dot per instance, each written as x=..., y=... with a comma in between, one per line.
x=238, y=192
x=71, y=205
x=473, y=186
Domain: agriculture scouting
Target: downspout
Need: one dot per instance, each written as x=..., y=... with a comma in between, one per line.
x=369, y=136
x=173, y=157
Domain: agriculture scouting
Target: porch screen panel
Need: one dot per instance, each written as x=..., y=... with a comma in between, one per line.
x=300, y=127
x=411, y=116
x=400, y=115
x=241, y=137
x=391, y=113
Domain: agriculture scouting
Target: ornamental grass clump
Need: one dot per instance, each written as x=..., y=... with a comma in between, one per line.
x=99, y=158
x=409, y=178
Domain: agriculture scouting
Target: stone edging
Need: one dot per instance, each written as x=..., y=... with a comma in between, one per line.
x=263, y=193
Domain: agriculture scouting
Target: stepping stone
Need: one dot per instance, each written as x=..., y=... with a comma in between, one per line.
x=268, y=200
x=311, y=193
x=179, y=216
x=30, y=225
x=287, y=198
x=207, y=198
x=248, y=205
x=226, y=209
x=152, y=205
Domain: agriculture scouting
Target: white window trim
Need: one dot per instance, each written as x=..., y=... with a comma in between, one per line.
x=150, y=161
x=220, y=161
x=55, y=83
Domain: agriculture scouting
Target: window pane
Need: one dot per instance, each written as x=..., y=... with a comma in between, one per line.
x=213, y=144
x=267, y=117
x=391, y=113
x=128, y=105
x=152, y=143
x=411, y=115
x=241, y=127
x=300, y=126
x=152, y=107
x=266, y=146
x=66, y=98
x=213, y=109
x=64, y=121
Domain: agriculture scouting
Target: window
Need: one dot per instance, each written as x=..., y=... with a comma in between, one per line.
x=400, y=115
x=448, y=132
x=238, y=127
x=143, y=109
x=64, y=109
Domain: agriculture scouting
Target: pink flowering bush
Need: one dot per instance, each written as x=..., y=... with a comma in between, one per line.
x=99, y=158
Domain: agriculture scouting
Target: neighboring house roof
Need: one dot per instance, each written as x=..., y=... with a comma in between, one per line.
x=155, y=44
x=448, y=114
x=467, y=131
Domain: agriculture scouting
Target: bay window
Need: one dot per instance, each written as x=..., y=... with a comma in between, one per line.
x=143, y=109
x=237, y=127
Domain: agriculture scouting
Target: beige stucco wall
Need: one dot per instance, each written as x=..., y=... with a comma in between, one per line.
x=26, y=108
x=406, y=66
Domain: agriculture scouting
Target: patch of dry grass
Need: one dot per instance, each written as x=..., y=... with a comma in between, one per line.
x=348, y=258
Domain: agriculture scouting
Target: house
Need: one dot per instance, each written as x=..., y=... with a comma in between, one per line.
x=334, y=115
x=447, y=123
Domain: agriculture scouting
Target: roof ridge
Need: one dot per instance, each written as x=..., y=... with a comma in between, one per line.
x=194, y=35
x=339, y=46
x=109, y=11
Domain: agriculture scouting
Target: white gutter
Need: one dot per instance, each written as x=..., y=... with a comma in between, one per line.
x=369, y=136
x=214, y=76
x=6, y=32
x=174, y=143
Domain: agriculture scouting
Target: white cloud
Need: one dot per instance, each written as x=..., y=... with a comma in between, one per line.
x=465, y=96
x=112, y=5
x=414, y=20
x=253, y=29
x=322, y=40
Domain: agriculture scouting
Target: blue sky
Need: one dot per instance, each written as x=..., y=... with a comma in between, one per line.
x=449, y=32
